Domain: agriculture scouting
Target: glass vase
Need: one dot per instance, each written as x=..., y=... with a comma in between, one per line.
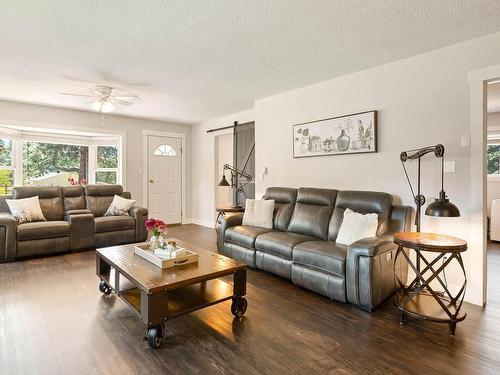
x=156, y=242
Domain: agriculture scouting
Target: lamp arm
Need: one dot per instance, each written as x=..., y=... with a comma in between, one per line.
x=417, y=153
x=235, y=170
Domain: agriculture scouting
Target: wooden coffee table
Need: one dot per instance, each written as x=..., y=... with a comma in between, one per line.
x=158, y=295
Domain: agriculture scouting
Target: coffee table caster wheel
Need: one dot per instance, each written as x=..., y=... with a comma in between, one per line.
x=104, y=288
x=155, y=336
x=239, y=306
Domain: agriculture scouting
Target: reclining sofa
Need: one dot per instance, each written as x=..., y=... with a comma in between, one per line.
x=75, y=221
x=301, y=245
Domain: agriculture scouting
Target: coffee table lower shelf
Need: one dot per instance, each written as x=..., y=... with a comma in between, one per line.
x=187, y=299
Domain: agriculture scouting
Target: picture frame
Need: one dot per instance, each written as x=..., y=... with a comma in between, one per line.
x=355, y=133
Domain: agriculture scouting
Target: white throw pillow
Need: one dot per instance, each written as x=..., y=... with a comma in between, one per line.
x=356, y=226
x=26, y=210
x=259, y=213
x=120, y=206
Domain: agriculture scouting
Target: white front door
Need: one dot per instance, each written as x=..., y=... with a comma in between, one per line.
x=165, y=179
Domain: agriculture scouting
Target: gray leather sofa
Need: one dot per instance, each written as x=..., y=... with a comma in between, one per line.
x=75, y=221
x=301, y=245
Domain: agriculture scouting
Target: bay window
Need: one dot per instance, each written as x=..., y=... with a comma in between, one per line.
x=44, y=159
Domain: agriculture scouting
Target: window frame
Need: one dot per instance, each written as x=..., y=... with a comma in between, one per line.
x=96, y=168
x=13, y=159
x=167, y=155
x=494, y=176
x=19, y=137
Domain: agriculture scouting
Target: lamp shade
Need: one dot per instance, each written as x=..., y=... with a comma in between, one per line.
x=224, y=182
x=442, y=207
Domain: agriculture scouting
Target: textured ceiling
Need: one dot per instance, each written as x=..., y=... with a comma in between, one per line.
x=194, y=60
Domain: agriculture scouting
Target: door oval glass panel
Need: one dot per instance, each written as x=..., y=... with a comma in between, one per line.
x=164, y=150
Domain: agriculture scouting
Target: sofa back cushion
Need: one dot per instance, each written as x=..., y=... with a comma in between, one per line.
x=363, y=202
x=312, y=212
x=74, y=198
x=284, y=202
x=99, y=197
x=50, y=198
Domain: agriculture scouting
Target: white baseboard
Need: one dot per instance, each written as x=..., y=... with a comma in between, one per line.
x=204, y=223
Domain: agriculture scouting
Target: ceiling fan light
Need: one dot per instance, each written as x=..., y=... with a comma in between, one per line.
x=102, y=106
x=107, y=107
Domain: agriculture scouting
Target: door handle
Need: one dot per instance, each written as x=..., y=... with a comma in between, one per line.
x=151, y=180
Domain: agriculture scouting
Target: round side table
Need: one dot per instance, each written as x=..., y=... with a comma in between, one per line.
x=222, y=210
x=418, y=299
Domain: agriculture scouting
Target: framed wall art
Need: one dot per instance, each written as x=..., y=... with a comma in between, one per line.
x=350, y=134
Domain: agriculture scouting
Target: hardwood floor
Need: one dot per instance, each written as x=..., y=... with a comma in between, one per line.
x=54, y=320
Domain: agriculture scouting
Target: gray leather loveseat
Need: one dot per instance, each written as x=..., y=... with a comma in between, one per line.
x=301, y=245
x=75, y=221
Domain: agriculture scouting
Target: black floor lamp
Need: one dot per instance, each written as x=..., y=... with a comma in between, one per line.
x=235, y=184
x=441, y=207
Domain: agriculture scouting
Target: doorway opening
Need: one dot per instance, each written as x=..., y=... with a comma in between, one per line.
x=493, y=190
x=234, y=166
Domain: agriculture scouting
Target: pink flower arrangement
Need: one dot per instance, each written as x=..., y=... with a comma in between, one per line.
x=74, y=182
x=157, y=226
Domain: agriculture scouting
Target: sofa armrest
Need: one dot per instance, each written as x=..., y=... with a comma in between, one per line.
x=372, y=246
x=82, y=230
x=370, y=272
x=140, y=214
x=224, y=222
x=8, y=233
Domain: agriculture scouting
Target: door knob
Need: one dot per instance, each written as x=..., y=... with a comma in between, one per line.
x=151, y=180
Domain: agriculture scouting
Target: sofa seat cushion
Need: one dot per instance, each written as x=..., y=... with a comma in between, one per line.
x=245, y=235
x=326, y=255
x=280, y=243
x=113, y=223
x=43, y=229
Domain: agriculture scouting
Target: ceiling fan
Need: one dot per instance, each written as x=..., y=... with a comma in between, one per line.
x=104, y=100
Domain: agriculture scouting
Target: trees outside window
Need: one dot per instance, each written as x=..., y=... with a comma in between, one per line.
x=6, y=167
x=106, y=171
x=54, y=164
x=493, y=157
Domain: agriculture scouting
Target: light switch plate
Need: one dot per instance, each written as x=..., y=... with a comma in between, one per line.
x=449, y=166
x=465, y=140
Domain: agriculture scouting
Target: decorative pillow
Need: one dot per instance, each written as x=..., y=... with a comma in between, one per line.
x=356, y=226
x=120, y=206
x=259, y=213
x=26, y=210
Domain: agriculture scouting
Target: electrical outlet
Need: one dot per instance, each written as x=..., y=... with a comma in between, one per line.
x=388, y=256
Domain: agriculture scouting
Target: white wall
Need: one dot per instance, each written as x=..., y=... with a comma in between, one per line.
x=42, y=116
x=204, y=171
x=422, y=100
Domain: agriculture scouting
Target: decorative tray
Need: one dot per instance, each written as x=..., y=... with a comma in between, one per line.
x=186, y=258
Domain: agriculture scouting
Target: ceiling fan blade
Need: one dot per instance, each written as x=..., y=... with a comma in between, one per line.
x=96, y=92
x=125, y=97
x=74, y=94
x=122, y=102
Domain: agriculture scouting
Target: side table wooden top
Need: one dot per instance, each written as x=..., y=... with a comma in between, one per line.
x=430, y=242
x=229, y=209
